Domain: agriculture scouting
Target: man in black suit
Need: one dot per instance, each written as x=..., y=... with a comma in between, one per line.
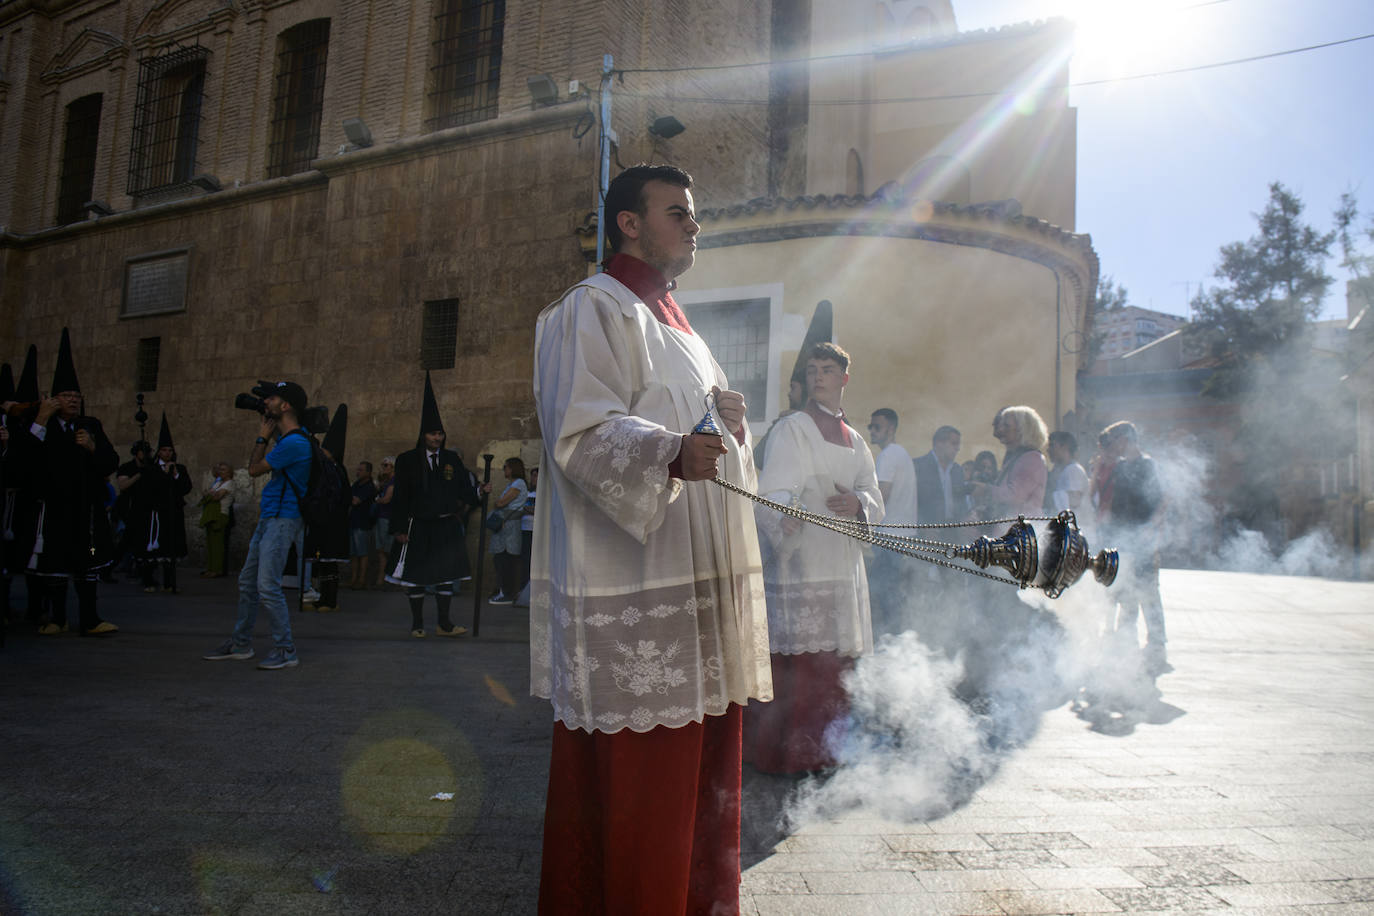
x=69, y=459
x=940, y=493
x=433, y=493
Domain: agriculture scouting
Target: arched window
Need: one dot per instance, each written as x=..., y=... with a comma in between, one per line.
x=298, y=99
x=171, y=91
x=465, y=72
x=78, y=158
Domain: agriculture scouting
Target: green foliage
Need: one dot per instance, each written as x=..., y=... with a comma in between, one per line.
x=1256, y=321
x=1272, y=287
x=1352, y=259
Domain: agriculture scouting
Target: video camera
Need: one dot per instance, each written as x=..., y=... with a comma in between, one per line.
x=316, y=419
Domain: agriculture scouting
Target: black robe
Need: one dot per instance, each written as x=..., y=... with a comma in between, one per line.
x=429, y=507
x=155, y=507
x=328, y=541
x=72, y=485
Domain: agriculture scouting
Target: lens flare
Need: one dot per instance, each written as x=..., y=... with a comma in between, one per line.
x=395, y=766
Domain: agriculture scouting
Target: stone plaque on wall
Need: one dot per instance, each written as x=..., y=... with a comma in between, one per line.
x=155, y=284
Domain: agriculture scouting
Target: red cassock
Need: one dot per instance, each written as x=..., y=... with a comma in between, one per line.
x=647, y=823
x=618, y=840
x=789, y=734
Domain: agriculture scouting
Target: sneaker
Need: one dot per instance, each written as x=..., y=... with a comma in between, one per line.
x=52, y=629
x=500, y=598
x=227, y=649
x=279, y=658
x=100, y=629
x=418, y=633
x=451, y=631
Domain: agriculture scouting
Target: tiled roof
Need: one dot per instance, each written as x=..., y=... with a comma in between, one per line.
x=1003, y=211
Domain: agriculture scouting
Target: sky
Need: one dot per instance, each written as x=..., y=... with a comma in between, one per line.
x=1170, y=168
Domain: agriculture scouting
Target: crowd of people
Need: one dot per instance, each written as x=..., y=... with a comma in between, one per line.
x=74, y=516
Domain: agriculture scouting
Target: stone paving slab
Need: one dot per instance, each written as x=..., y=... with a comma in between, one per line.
x=137, y=778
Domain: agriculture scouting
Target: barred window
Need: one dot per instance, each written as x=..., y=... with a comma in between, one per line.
x=737, y=333
x=466, y=72
x=171, y=91
x=439, y=335
x=299, y=99
x=145, y=370
x=78, y=159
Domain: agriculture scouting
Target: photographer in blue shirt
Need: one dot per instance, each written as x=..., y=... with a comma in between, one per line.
x=279, y=524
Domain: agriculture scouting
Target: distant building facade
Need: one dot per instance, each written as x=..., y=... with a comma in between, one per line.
x=1131, y=327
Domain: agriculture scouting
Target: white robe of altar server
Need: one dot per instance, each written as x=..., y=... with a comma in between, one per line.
x=646, y=600
x=816, y=585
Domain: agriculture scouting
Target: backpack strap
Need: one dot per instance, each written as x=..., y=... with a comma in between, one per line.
x=286, y=476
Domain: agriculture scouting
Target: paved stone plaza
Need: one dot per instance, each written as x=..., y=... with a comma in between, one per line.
x=137, y=778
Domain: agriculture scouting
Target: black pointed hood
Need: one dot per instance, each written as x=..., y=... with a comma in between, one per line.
x=821, y=330
x=64, y=373
x=430, y=421
x=337, y=437
x=27, y=389
x=6, y=383
x=164, y=435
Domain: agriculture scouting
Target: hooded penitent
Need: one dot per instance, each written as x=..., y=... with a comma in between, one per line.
x=64, y=373
x=337, y=437
x=429, y=414
x=164, y=436
x=27, y=389
x=820, y=330
x=6, y=383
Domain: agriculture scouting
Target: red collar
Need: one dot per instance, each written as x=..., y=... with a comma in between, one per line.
x=653, y=289
x=833, y=429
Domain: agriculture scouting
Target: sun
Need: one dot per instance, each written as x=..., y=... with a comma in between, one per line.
x=1120, y=37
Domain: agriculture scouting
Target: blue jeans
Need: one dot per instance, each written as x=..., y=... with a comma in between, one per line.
x=260, y=581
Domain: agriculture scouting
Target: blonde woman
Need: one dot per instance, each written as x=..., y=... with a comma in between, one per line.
x=1020, y=488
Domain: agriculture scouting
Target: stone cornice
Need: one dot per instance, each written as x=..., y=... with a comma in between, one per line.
x=229, y=197
x=322, y=171
x=539, y=120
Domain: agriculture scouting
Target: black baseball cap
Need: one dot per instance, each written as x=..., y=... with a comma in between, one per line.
x=292, y=394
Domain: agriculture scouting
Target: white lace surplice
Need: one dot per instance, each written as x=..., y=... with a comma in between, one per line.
x=646, y=596
x=815, y=580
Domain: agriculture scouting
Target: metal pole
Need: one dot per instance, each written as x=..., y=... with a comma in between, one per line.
x=481, y=551
x=604, y=179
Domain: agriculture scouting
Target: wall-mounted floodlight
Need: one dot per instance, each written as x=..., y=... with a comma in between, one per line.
x=543, y=90
x=666, y=127
x=207, y=181
x=357, y=133
x=98, y=207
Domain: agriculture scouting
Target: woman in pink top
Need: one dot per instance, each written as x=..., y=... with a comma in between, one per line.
x=1020, y=489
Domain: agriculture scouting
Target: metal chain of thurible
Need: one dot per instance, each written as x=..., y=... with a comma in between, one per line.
x=907, y=546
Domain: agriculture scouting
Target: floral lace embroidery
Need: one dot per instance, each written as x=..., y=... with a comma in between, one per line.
x=646, y=668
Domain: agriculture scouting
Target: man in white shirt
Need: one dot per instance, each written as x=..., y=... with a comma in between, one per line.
x=889, y=574
x=1068, y=481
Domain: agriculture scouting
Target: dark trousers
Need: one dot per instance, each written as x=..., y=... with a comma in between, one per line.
x=56, y=588
x=507, y=573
